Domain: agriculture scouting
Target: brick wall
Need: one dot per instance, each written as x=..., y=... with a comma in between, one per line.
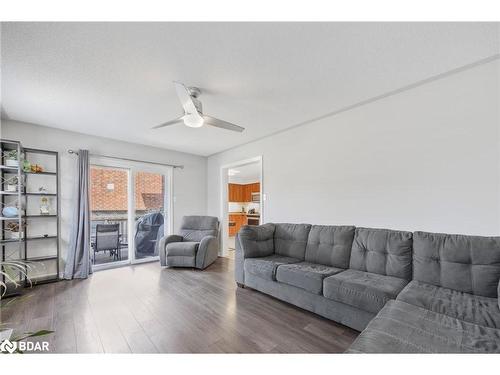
x=148, y=190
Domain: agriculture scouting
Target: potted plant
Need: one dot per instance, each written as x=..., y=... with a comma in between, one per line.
x=9, y=278
x=11, y=158
x=26, y=166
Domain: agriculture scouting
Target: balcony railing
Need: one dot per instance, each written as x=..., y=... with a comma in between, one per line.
x=120, y=218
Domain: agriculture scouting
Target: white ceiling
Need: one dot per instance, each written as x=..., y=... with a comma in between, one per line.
x=246, y=174
x=114, y=79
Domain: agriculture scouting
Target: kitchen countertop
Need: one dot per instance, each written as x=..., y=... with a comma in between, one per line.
x=243, y=213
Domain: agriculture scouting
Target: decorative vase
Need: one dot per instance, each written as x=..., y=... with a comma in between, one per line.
x=10, y=211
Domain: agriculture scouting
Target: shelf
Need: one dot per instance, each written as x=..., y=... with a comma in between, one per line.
x=17, y=193
x=40, y=238
x=3, y=218
x=40, y=280
x=39, y=259
x=13, y=170
x=45, y=194
x=9, y=192
x=37, y=216
x=11, y=240
x=7, y=168
x=43, y=173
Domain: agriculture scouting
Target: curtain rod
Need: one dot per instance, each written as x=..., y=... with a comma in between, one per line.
x=135, y=160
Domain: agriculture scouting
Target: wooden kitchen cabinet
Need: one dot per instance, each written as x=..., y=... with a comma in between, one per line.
x=242, y=193
x=235, y=193
x=231, y=192
x=239, y=220
x=247, y=193
x=254, y=188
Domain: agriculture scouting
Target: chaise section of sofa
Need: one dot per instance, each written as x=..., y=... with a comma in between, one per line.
x=468, y=307
x=451, y=305
x=404, y=328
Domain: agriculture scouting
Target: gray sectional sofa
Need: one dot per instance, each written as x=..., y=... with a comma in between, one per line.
x=406, y=292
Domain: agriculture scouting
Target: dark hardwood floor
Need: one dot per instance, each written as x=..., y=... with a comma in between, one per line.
x=145, y=309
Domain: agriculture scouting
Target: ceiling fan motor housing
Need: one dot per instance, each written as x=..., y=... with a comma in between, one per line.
x=197, y=104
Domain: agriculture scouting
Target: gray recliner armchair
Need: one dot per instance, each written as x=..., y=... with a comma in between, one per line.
x=197, y=245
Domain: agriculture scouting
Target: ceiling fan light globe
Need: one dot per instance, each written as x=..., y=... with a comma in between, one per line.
x=193, y=121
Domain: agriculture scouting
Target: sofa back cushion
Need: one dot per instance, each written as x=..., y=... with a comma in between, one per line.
x=290, y=239
x=330, y=245
x=468, y=264
x=383, y=251
x=194, y=228
x=256, y=240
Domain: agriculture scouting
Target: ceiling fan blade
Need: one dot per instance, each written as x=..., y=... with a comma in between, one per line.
x=168, y=123
x=185, y=98
x=212, y=121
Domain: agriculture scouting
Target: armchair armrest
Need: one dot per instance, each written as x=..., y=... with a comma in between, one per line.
x=256, y=241
x=208, y=251
x=162, y=246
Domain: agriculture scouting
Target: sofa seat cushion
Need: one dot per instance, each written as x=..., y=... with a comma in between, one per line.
x=305, y=275
x=464, y=306
x=403, y=328
x=265, y=267
x=364, y=290
x=187, y=249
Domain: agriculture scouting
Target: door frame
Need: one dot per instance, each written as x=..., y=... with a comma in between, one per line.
x=224, y=209
x=132, y=167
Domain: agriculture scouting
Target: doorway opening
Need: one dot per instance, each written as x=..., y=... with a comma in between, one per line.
x=130, y=212
x=241, y=200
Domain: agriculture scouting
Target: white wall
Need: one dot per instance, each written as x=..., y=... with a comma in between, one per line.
x=425, y=159
x=189, y=184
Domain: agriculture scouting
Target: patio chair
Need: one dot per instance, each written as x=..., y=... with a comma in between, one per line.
x=107, y=238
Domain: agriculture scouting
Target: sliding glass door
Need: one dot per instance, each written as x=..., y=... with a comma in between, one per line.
x=130, y=211
x=109, y=212
x=150, y=201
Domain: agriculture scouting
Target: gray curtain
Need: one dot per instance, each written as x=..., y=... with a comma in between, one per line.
x=78, y=264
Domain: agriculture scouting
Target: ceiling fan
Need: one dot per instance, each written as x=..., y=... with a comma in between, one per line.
x=193, y=113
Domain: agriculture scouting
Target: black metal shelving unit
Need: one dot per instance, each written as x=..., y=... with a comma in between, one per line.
x=28, y=221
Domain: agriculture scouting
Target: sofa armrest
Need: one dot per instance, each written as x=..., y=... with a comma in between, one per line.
x=239, y=262
x=498, y=296
x=208, y=251
x=162, y=247
x=257, y=241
